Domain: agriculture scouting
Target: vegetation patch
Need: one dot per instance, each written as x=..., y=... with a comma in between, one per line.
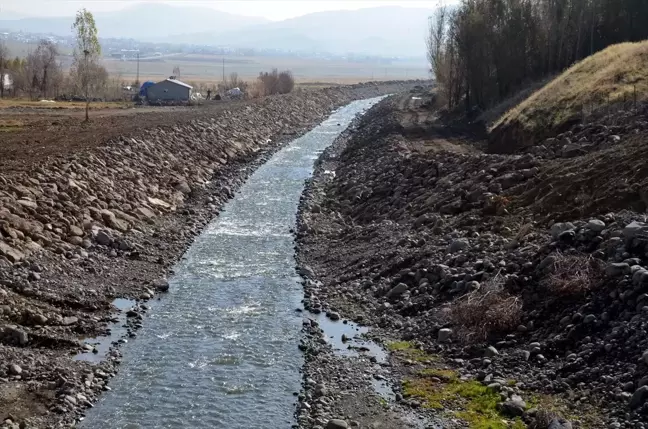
x=486, y=311
x=409, y=351
x=614, y=75
x=478, y=402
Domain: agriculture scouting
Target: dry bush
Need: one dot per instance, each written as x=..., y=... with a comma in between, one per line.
x=574, y=274
x=277, y=82
x=486, y=311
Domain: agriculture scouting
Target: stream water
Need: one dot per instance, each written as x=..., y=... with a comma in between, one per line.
x=220, y=350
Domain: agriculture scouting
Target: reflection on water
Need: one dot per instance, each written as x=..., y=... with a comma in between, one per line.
x=220, y=350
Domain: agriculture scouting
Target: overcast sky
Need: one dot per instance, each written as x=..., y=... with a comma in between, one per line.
x=270, y=9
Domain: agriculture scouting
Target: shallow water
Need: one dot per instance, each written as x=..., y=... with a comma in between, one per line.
x=220, y=349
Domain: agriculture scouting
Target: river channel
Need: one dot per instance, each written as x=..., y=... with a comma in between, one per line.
x=220, y=349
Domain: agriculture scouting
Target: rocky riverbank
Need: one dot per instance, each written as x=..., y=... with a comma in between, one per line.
x=81, y=228
x=510, y=288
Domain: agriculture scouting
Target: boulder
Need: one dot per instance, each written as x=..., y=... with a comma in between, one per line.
x=336, y=424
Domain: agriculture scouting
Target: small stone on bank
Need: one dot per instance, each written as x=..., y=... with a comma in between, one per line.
x=336, y=424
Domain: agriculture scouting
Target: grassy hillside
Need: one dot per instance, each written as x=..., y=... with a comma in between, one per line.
x=610, y=76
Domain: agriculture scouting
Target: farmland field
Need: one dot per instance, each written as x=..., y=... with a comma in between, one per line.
x=209, y=68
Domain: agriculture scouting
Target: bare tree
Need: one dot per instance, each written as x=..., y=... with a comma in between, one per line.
x=46, y=65
x=4, y=66
x=176, y=72
x=435, y=40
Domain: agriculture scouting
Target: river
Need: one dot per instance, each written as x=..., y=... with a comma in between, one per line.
x=220, y=350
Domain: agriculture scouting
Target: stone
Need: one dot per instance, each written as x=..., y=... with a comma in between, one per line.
x=144, y=212
x=444, y=335
x=639, y=397
x=397, y=290
x=645, y=357
x=458, y=245
x=10, y=253
x=617, y=269
x=336, y=424
x=71, y=320
x=15, y=369
x=595, y=225
x=558, y=423
x=333, y=315
x=161, y=285
x=514, y=407
x=633, y=229
x=491, y=351
x=76, y=231
x=103, y=238
x=559, y=228
x=183, y=187
x=28, y=203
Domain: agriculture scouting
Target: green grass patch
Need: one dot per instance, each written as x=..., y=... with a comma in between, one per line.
x=479, y=403
x=407, y=350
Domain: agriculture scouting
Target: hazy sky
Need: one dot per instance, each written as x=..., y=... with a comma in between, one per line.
x=275, y=10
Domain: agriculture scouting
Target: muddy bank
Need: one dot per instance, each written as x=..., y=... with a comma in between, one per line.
x=85, y=227
x=456, y=260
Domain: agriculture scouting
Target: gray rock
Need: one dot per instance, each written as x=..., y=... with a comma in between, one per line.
x=645, y=357
x=336, y=424
x=183, y=187
x=595, y=225
x=558, y=423
x=397, y=290
x=559, y=228
x=491, y=351
x=103, y=238
x=634, y=228
x=161, y=285
x=15, y=369
x=67, y=321
x=617, y=269
x=639, y=397
x=333, y=315
x=444, y=335
x=458, y=245
x=514, y=407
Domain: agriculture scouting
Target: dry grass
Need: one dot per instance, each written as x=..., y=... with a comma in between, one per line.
x=574, y=275
x=486, y=311
x=609, y=76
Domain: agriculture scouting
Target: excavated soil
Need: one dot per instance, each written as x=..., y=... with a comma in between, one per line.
x=523, y=273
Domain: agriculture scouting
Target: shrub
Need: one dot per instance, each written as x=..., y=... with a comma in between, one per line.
x=276, y=82
x=486, y=311
x=574, y=275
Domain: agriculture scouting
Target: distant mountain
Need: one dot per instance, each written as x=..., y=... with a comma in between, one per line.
x=144, y=21
x=388, y=31
x=381, y=31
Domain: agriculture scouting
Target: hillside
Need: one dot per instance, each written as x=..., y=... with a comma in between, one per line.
x=609, y=77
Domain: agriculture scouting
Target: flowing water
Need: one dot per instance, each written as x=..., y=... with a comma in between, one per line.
x=220, y=350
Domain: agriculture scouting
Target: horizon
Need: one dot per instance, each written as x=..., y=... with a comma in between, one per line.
x=270, y=9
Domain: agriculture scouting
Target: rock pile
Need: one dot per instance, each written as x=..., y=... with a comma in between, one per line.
x=448, y=248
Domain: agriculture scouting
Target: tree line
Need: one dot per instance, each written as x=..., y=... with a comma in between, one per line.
x=485, y=50
x=41, y=74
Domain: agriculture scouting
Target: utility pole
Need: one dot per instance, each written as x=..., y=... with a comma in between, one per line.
x=137, y=78
x=223, y=69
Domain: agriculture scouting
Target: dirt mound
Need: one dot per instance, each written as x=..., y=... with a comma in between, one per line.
x=465, y=248
x=612, y=76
